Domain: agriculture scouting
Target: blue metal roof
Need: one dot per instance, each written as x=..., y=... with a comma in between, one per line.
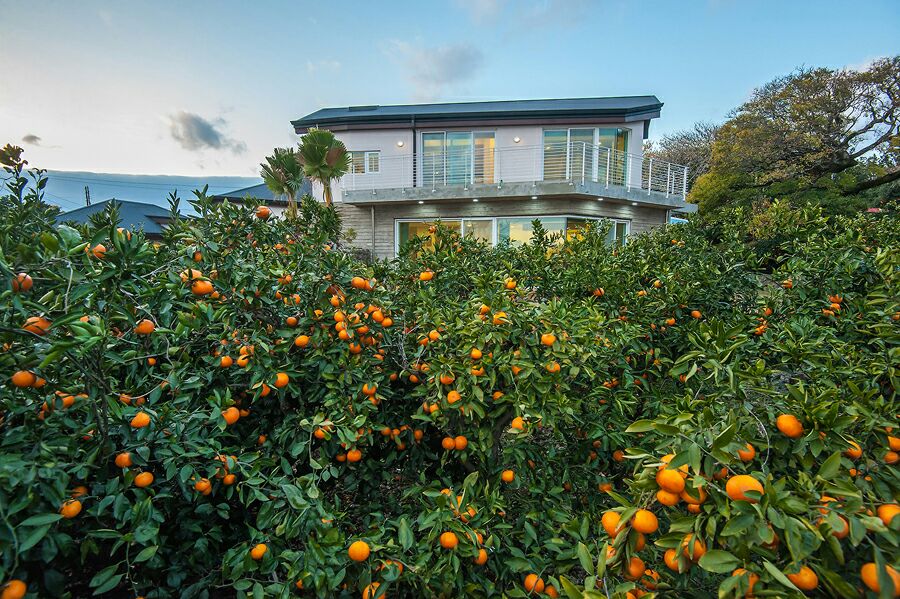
x=133, y=215
x=625, y=107
x=262, y=192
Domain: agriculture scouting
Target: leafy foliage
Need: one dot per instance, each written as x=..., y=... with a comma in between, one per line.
x=299, y=401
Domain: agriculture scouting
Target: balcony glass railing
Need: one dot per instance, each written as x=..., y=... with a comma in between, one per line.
x=573, y=162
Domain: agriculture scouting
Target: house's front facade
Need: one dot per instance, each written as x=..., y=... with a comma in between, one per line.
x=491, y=168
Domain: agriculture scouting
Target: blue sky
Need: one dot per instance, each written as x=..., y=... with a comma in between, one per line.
x=208, y=87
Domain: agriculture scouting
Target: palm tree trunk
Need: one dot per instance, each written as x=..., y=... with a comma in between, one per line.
x=292, y=206
x=327, y=187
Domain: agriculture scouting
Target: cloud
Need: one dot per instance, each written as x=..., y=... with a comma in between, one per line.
x=432, y=70
x=32, y=139
x=322, y=65
x=195, y=133
x=482, y=11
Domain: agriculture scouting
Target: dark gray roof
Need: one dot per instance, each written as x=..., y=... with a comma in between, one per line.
x=262, y=192
x=133, y=215
x=626, y=107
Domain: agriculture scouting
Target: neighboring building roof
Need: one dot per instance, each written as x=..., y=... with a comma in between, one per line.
x=134, y=215
x=625, y=108
x=262, y=192
x=688, y=208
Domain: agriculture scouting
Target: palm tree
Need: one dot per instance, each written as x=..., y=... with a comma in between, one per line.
x=324, y=159
x=283, y=174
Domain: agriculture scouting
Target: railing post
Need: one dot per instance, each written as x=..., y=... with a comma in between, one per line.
x=684, y=184
x=650, y=177
x=628, y=168
x=668, y=178
x=608, y=162
x=583, y=153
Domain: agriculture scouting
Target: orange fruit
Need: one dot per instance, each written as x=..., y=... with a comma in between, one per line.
x=453, y=396
x=70, y=508
x=789, y=426
x=449, y=540
x=670, y=557
x=508, y=476
x=869, y=575
x=475, y=354
x=894, y=443
x=738, y=485
x=645, y=521
x=805, y=579
x=667, y=498
x=747, y=454
x=619, y=455
x=534, y=584
x=696, y=314
x=201, y=287
x=259, y=551
x=670, y=480
x=447, y=379
x=226, y=361
x=281, y=380
x=14, y=589
x=887, y=511
x=552, y=367
x=635, y=568
x=891, y=457
x=229, y=479
x=203, y=485
x=23, y=378
x=301, y=341
x=22, y=282
x=140, y=420
x=548, y=339
x=460, y=443
x=448, y=443
x=37, y=325
x=481, y=558
x=123, y=460
x=692, y=547
x=144, y=479
x=145, y=327
x=231, y=415
x=98, y=251
x=359, y=551
x=752, y=578
x=426, y=275
x=354, y=455
x=371, y=591
x=517, y=423
x=610, y=521
x=263, y=212
x=853, y=452
x=499, y=318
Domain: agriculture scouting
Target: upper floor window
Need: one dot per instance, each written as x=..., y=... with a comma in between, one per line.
x=457, y=157
x=365, y=162
x=589, y=154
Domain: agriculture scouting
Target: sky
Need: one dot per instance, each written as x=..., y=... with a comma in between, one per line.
x=204, y=88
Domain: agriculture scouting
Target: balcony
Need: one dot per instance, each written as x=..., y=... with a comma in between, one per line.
x=566, y=169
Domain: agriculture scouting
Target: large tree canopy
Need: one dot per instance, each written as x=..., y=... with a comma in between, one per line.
x=815, y=129
x=690, y=147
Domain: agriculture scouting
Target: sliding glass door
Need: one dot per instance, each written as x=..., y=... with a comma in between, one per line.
x=457, y=157
x=586, y=155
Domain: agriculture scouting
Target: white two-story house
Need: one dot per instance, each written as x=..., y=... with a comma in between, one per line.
x=491, y=168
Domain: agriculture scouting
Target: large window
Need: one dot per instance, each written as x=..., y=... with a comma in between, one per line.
x=365, y=162
x=515, y=229
x=457, y=157
x=586, y=155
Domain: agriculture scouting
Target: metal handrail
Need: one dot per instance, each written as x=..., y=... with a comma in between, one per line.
x=572, y=162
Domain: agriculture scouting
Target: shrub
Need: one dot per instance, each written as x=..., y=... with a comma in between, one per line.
x=462, y=421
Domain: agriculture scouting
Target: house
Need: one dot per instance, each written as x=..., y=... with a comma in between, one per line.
x=277, y=204
x=491, y=168
x=150, y=218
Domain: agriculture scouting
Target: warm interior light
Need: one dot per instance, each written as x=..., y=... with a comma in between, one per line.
x=517, y=139
x=400, y=144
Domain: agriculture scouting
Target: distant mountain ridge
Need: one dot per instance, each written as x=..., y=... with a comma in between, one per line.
x=66, y=188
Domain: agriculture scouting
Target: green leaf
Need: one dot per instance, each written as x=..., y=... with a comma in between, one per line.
x=571, y=591
x=404, y=534
x=33, y=538
x=779, y=575
x=641, y=426
x=717, y=560
x=830, y=467
x=40, y=519
x=146, y=553
x=584, y=557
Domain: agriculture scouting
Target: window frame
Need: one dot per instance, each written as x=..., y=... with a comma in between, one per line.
x=365, y=162
x=472, y=147
x=495, y=228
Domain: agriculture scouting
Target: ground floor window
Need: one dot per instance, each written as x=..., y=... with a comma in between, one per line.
x=516, y=229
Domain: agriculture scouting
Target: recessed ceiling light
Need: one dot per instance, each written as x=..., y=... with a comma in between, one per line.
x=634, y=203
x=400, y=144
x=474, y=199
x=533, y=197
x=517, y=139
x=599, y=199
x=421, y=202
